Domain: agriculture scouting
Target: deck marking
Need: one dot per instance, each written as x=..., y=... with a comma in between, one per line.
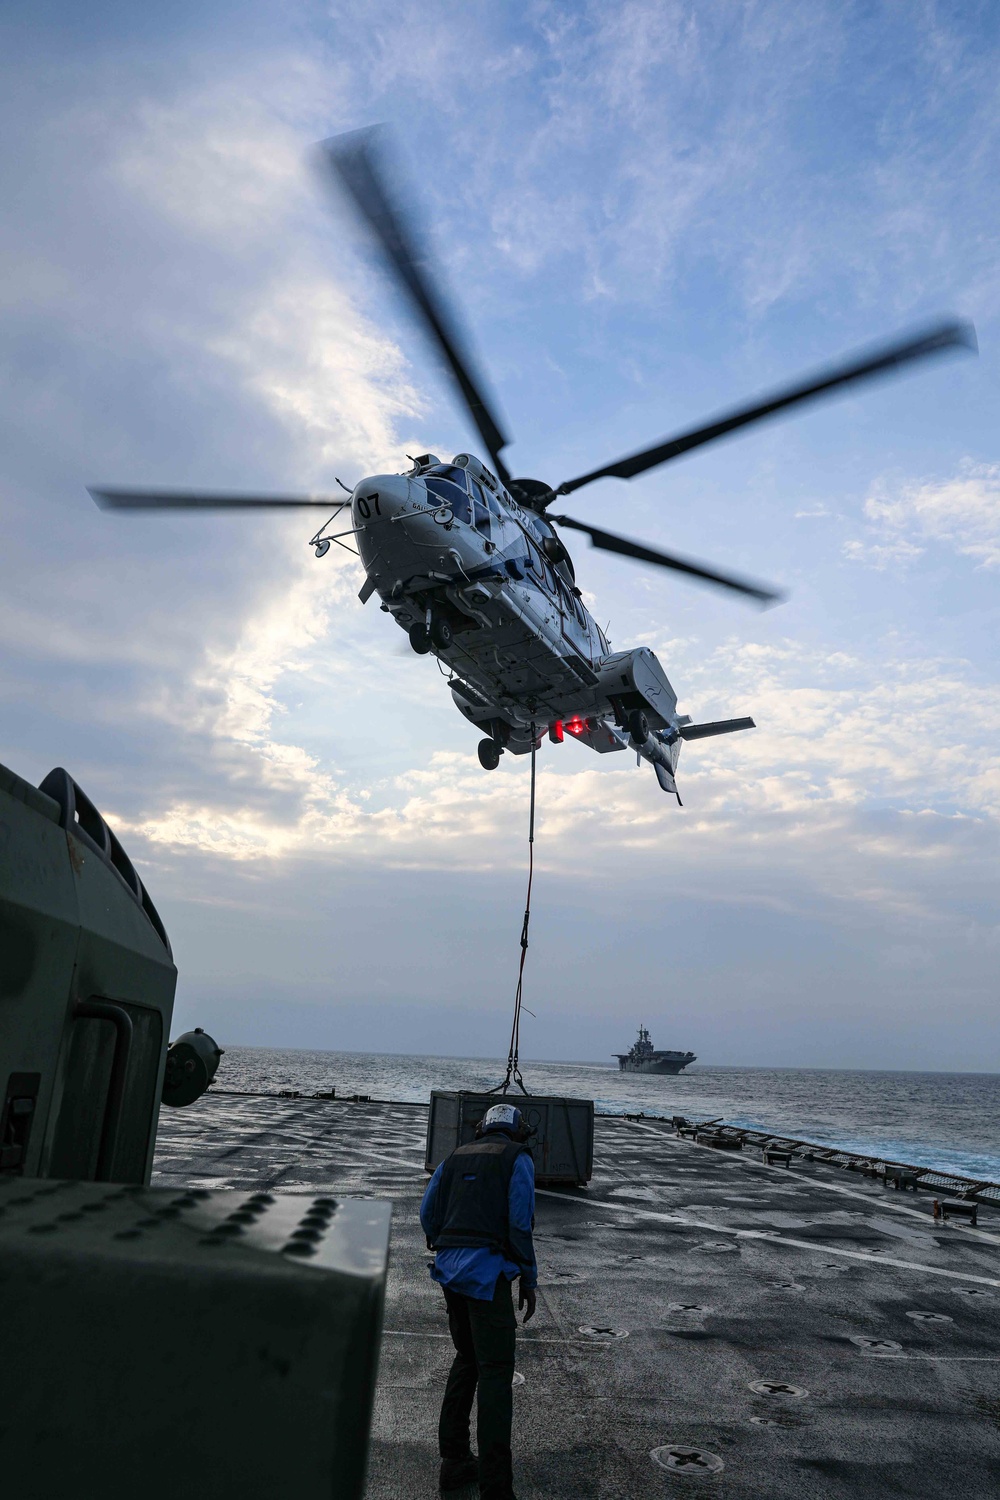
x=836, y=1187
x=525, y=1338
x=869, y=1198
x=773, y=1239
x=398, y=1161
x=406, y=1333
x=940, y=1359
x=651, y=1130
x=899, y=1208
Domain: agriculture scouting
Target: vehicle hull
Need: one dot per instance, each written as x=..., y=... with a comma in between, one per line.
x=670, y=1062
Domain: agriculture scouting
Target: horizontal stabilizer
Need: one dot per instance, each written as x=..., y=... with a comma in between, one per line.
x=721, y=726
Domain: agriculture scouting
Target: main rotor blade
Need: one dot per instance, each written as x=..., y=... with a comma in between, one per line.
x=937, y=340
x=607, y=541
x=120, y=499
x=358, y=162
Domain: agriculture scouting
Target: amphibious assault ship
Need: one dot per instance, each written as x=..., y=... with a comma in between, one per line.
x=643, y=1057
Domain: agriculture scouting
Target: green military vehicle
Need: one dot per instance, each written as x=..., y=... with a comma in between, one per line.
x=155, y=1343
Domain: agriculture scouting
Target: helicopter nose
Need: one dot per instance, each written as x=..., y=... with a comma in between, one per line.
x=380, y=498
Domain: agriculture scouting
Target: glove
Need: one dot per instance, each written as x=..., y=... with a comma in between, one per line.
x=526, y=1298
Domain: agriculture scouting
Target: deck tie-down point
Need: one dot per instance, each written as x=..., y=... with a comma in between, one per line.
x=684, y=1460
x=778, y=1390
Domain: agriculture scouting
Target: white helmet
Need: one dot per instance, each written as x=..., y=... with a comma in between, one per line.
x=502, y=1117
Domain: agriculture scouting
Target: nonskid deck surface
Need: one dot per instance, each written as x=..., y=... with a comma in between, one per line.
x=671, y=1286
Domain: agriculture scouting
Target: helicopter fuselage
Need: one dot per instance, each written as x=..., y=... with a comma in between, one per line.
x=488, y=587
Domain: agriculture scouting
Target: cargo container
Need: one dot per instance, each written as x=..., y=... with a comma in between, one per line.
x=561, y=1142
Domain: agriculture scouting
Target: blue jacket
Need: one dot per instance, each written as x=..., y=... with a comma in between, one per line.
x=473, y=1271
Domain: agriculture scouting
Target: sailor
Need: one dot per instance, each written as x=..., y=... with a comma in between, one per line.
x=478, y=1213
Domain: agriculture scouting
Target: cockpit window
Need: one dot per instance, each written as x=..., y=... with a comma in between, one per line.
x=446, y=486
x=480, y=509
x=449, y=471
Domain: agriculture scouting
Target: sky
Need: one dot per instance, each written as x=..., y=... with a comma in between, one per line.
x=648, y=211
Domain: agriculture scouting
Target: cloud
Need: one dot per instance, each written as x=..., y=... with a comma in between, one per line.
x=627, y=145
x=195, y=326
x=864, y=771
x=962, y=513
x=179, y=308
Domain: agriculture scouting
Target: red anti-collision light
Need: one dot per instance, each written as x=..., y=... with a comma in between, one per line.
x=556, y=732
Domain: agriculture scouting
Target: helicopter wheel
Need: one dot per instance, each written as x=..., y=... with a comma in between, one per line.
x=420, y=639
x=441, y=634
x=489, y=754
x=638, y=726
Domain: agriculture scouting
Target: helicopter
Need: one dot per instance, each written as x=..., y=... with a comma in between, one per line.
x=468, y=560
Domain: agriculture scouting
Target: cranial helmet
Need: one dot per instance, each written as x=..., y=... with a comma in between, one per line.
x=502, y=1117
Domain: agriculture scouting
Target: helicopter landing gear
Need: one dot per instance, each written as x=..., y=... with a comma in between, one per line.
x=489, y=754
x=638, y=726
x=441, y=634
x=434, y=632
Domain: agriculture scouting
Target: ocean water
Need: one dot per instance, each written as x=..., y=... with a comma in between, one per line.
x=945, y=1120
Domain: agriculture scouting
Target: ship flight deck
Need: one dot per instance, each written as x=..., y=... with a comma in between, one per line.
x=706, y=1323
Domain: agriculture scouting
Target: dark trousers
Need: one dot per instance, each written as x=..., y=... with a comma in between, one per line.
x=483, y=1334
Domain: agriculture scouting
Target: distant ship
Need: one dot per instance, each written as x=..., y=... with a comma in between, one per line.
x=644, y=1058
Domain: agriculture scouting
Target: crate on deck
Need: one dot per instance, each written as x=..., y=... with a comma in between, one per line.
x=561, y=1143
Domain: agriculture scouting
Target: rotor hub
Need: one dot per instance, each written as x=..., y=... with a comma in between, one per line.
x=533, y=494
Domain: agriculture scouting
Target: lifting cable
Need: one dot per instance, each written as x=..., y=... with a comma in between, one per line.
x=513, y=1068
